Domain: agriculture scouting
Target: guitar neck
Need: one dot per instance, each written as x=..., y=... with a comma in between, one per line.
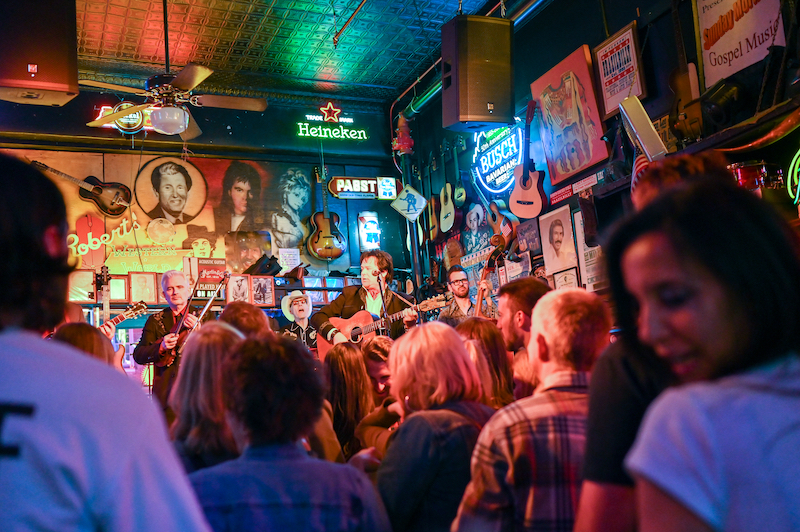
x=84, y=185
x=375, y=325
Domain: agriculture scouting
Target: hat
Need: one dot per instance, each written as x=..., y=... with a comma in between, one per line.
x=286, y=302
x=477, y=209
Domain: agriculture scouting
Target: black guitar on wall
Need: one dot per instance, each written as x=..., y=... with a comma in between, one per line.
x=111, y=198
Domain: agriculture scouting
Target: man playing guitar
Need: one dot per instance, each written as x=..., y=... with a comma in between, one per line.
x=160, y=340
x=376, y=272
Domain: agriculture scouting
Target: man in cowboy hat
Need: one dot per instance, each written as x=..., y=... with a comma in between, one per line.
x=297, y=308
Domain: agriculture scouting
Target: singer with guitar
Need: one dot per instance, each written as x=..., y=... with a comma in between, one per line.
x=376, y=273
x=159, y=340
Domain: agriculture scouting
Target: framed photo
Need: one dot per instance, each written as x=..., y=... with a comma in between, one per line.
x=143, y=287
x=81, y=287
x=238, y=288
x=558, y=241
x=352, y=281
x=118, y=286
x=570, y=127
x=567, y=278
x=617, y=66
x=334, y=282
x=161, y=299
x=318, y=297
x=262, y=288
x=528, y=234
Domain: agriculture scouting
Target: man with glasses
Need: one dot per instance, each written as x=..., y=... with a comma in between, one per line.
x=462, y=306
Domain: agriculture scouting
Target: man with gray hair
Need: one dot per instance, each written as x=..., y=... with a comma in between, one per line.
x=527, y=465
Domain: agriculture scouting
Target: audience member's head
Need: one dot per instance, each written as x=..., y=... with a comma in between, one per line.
x=711, y=264
x=197, y=397
x=499, y=362
x=86, y=338
x=479, y=359
x=273, y=390
x=666, y=173
x=33, y=235
x=515, y=302
x=430, y=366
x=570, y=328
x=350, y=393
x=376, y=358
x=248, y=319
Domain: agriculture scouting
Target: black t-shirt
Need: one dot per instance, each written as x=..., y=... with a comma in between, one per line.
x=623, y=385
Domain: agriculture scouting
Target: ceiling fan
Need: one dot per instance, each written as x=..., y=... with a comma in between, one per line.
x=167, y=95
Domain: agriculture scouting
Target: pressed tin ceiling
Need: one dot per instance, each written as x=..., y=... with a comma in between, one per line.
x=282, y=50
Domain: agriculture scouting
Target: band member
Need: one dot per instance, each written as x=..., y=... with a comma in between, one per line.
x=376, y=273
x=159, y=342
x=462, y=306
x=297, y=308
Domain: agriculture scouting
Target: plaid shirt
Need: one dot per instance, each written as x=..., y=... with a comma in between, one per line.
x=527, y=466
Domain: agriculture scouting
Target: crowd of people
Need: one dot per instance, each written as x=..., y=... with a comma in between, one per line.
x=528, y=418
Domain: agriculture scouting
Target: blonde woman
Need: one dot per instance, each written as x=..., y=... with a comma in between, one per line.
x=200, y=432
x=426, y=467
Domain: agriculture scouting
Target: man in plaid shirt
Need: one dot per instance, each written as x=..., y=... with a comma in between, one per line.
x=527, y=464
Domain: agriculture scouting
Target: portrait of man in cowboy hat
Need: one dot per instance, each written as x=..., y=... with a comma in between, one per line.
x=476, y=237
x=297, y=308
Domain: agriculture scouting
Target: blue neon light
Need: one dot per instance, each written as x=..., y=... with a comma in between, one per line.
x=494, y=164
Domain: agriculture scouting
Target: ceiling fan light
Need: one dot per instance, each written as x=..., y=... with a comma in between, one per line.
x=169, y=120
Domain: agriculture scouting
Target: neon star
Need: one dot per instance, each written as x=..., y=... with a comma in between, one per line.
x=331, y=113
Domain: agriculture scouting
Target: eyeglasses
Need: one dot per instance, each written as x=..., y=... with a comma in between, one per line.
x=460, y=281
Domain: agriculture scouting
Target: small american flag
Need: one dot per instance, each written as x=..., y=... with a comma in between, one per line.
x=640, y=164
x=505, y=227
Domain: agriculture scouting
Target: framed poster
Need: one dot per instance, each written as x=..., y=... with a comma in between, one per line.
x=528, y=234
x=567, y=278
x=618, y=71
x=558, y=241
x=238, y=289
x=263, y=289
x=161, y=299
x=570, y=127
x=318, y=297
x=118, y=288
x=81, y=287
x=143, y=287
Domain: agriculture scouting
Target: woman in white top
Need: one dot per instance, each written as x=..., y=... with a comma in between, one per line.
x=708, y=276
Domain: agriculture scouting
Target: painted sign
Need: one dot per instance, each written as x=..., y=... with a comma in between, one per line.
x=735, y=34
x=330, y=114
x=364, y=187
x=410, y=203
x=496, y=154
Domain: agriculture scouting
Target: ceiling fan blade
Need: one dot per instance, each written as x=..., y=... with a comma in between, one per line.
x=107, y=119
x=192, y=129
x=191, y=76
x=110, y=86
x=230, y=102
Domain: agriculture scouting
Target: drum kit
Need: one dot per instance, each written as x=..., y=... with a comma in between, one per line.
x=754, y=175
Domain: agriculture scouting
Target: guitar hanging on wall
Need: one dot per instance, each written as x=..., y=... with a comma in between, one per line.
x=450, y=216
x=111, y=198
x=503, y=223
x=326, y=241
x=686, y=115
x=527, y=197
x=435, y=233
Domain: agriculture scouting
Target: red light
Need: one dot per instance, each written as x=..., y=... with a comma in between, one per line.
x=33, y=68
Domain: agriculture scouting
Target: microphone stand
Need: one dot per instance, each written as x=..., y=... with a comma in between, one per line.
x=382, y=287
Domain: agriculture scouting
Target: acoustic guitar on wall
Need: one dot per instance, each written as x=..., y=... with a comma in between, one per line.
x=686, y=115
x=435, y=233
x=459, y=193
x=326, y=241
x=527, y=197
x=111, y=198
x=502, y=222
x=449, y=216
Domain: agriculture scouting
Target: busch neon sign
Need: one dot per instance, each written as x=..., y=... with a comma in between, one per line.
x=497, y=153
x=330, y=115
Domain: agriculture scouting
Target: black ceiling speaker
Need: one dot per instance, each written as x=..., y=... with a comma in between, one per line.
x=39, y=54
x=477, y=79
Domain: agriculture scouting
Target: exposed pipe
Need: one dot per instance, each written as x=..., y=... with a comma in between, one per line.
x=339, y=33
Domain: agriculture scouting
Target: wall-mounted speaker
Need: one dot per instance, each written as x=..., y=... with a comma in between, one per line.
x=477, y=79
x=39, y=54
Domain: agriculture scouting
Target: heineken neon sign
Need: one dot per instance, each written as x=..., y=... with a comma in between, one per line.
x=497, y=153
x=332, y=126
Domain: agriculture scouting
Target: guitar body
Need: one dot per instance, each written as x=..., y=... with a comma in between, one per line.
x=362, y=318
x=459, y=194
x=116, y=362
x=449, y=216
x=111, y=198
x=326, y=241
x=499, y=218
x=527, y=197
x=435, y=235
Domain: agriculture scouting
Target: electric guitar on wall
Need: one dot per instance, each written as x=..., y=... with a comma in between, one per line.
x=435, y=233
x=686, y=115
x=459, y=193
x=450, y=216
x=527, y=197
x=111, y=198
x=362, y=325
x=326, y=241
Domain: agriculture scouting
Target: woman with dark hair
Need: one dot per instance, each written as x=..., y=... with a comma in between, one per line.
x=494, y=348
x=350, y=393
x=200, y=432
x=241, y=196
x=708, y=277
